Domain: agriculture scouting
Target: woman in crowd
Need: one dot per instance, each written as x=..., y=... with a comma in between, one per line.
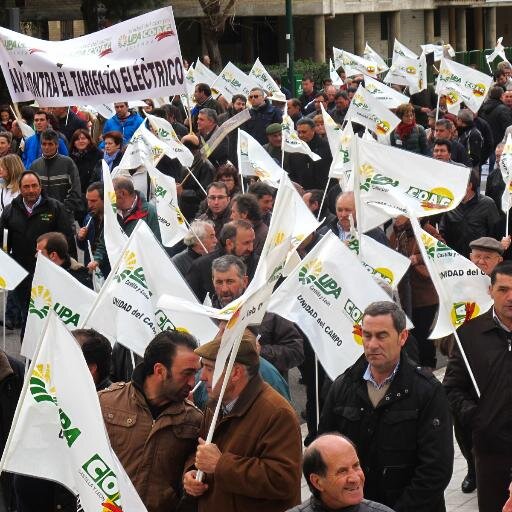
x=408, y=135
x=11, y=168
x=5, y=119
x=113, y=153
x=5, y=143
x=228, y=174
x=86, y=156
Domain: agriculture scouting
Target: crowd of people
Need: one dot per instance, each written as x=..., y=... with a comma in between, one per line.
x=384, y=440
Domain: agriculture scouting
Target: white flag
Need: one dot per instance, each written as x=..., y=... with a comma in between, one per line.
x=327, y=302
x=11, y=273
x=386, y=179
x=499, y=51
x=126, y=309
x=438, y=50
x=165, y=132
x=54, y=289
x=333, y=74
x=26, y=130
x=253, y=160
x=262, y=77
x=291, y=142
x=170, y=219
x=58, y=433
x=380, y=261
x=113, y=234
x=462, y=287
x=368, y=111
x=506, y=173
x=401, y=49
x=233, y=80
x=461, y=83
x=389, y=97
x=353, y=64
x=370, y=54
x=202, y=74
x=409, y=72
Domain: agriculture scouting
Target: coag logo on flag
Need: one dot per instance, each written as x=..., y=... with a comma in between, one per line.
x=166, y=324
x=40, y=301
x=381, y=272
x=438, y=198
x=382, y=127
x=479, y=90
x=358, y=334
x=452, y=97
x=462, y=312
x=371, y=69
x=411, y=70
x=311, y=273
x=355, y=315
x=42, y=390
x=99, y=475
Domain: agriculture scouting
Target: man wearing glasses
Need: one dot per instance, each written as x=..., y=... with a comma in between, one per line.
x=262, y=115
x=218, y=210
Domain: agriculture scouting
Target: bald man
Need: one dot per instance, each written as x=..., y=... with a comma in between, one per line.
x=332, y=470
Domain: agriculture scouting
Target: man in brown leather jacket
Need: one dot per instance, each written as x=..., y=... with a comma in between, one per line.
x=152, y=427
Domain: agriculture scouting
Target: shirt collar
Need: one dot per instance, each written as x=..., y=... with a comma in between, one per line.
x=30, y=209
x=342, y=234
x=498, y=321
x=369, y=377
x=227, y=408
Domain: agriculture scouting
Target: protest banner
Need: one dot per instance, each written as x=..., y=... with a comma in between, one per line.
x=263, y=79
x=327, y=302
x=126, y=308
x=54, y=289
x=353, y=64
x=232, y=80
x=253, y=160
x=461, y=83
x=388, y=96
x=386, y=180
x=135, y=59
x=367, y=110
x=172, y=223
x=370, y=54
x=58, y=433
x=11, y=272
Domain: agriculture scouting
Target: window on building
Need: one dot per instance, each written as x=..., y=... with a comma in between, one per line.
x=384, y=26
x=437, y=23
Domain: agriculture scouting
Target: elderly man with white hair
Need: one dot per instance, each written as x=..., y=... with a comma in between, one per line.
x=199, y=240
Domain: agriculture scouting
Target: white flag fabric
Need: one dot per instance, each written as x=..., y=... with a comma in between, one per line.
x=291, y=142
x=438, y=50
x=126, y=308
x=26, y=130
x=380, y=261
x=58, y=432
x=367, y=110
x=54, y=289
x=408, y=71
x=506, y=173
x=463, y=289
x=370, y=54
x=170, y=219
x=499, y=51
x=389, y=97
x=11, y=272
x=253, y=160
x=232, y=80
x=401, y=49
x=263, y=79
x=461, y=83
x=327, y=302
x=115, y=237
x=131, y=60
x=333, y=74
x=165, y=132
x=353, y=64
x=386, y=179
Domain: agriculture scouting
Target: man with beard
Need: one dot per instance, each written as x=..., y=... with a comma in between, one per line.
x=152, y=427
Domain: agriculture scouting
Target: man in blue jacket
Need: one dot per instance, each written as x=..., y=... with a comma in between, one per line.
x=123, y=121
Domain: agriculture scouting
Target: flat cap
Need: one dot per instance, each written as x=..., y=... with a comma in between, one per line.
x=487, y=244
x=247, y=353
x=273, y=128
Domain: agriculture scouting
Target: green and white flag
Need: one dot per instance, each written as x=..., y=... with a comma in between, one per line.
x=232, y=80
x=409, y=72
x=499, y=51
x=389, y=97
x=262, y=77
x=54, y=289
x=126, y=308
x=370, y=54
x=58, y=433
x=11, y=272
x=353, y=64
x=400, y=49
x=326, y=300
x=438, y=50
x=461, y=83
x=506, y=173
x=463, y=289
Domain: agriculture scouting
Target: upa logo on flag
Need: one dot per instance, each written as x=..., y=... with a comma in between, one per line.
x=133, y=274
x=41, y=302
x=279, y=238
x=311, y=273
x=42, y=390
x=359, y=101
x=374, y=179
x=462, y=312
x=436, y=199
x=433, y=246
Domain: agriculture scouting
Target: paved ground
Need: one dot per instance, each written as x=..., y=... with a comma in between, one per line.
x=456, y=500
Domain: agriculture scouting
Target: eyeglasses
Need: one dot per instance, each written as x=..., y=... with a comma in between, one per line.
x=215, y=198
x=254, y=96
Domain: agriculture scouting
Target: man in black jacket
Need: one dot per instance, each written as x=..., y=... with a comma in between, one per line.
x=487, y=342
x=30, y=215
x=301, y=168
x=396, y=414
x=263, y=113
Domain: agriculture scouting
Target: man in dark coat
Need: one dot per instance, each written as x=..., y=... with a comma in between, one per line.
x=396, y=414
x=487, y=342
x=263, y=113
x=496, y=113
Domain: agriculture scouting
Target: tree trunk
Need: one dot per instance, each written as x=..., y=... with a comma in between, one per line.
x=211, y=40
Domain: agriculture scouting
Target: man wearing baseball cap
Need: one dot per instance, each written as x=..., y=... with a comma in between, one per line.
x=486, y=253
x=274, y=133
x=253, y=462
